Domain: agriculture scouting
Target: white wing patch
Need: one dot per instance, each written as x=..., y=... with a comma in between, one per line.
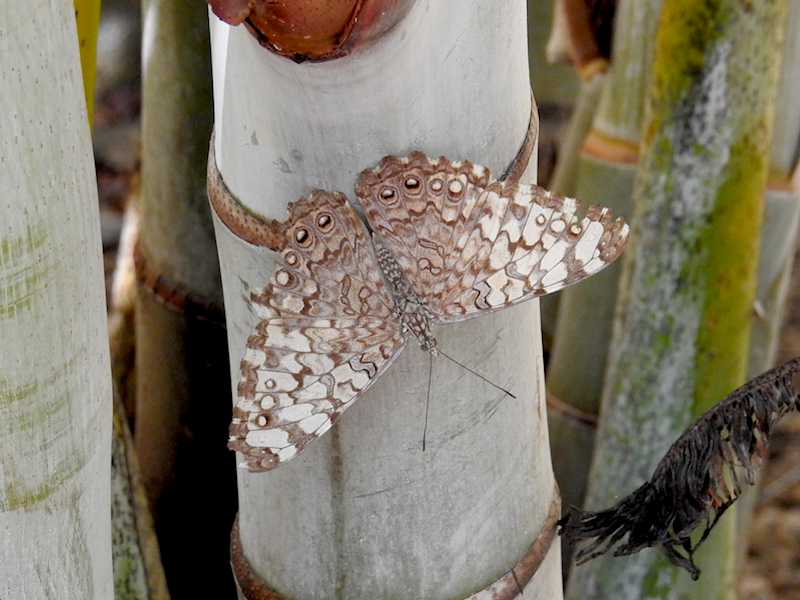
x=289, y=397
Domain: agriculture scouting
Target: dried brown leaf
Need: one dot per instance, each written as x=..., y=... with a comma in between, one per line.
x=701, y=475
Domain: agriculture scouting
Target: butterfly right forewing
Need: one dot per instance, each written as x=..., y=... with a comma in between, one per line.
x=484, y=244
x=527, y=242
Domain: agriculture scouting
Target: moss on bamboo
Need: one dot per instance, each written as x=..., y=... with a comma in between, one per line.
x=691, y=270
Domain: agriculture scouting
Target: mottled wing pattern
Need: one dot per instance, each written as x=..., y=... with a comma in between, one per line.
x=420, y=210
x=328, y=328
x=470, y=245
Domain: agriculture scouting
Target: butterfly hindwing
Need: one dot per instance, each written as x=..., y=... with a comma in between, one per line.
x=298, y=376
x=418, y=208
x=328, y=328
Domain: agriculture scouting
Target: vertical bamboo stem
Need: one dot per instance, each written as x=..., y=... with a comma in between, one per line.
x=682, y=339
x=782, y=205
x=181, y=368
x=364, y=513
x=87, y=17
x=55, y=380
x=603, y=172
x=778, y=233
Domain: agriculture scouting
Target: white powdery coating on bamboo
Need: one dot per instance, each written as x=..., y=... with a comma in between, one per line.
x=661, y=303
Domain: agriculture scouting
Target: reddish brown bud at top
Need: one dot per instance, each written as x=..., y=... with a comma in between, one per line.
x=313, y=29
x=231, y=11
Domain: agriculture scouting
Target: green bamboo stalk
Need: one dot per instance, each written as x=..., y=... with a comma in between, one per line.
x=138, y=573
x=682, y=338
x=552, y=84
x=778, y=234
x=55, y=381
x=782, y=206
x=621, y=111
x=557, y=87
x=567, y=172
x=603, y=171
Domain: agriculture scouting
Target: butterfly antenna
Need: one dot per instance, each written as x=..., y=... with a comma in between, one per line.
x=427, y=400
x=478, y=375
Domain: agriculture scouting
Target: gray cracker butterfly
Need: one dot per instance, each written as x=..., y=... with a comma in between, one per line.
x=445, y=243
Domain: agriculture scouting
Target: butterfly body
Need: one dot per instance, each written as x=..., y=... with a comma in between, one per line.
x=411, y=310
x=446, y=243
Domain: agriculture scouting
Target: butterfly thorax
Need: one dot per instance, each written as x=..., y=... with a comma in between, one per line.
x=415, y=317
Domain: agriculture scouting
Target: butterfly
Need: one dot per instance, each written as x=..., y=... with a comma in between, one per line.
x=442, y=242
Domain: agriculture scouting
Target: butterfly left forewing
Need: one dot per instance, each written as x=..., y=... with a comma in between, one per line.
x=328, y=329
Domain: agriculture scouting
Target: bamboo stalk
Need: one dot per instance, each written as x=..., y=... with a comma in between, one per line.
x=552, y=82
x=602, y=171
x=181, y=368
x=558, y=89
x=364, y=512
x=55, y=382
x=682, y=339
x=782, y=206
x=138, y=573
x=778, y=234
x=567, y=171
